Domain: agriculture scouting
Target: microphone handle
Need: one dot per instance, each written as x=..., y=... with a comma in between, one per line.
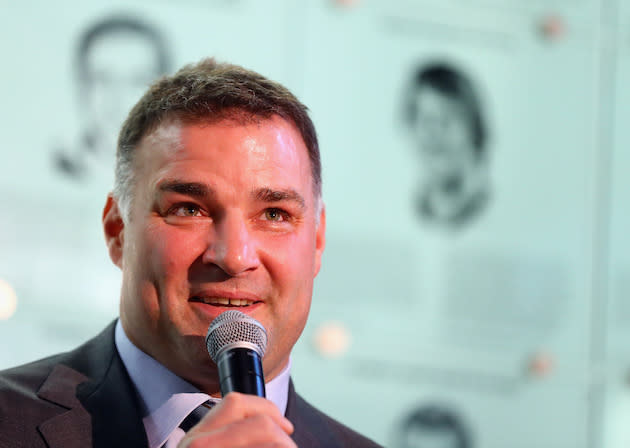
x=240, y=370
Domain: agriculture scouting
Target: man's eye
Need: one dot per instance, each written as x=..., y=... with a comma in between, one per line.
x=185, y=210
x=275, y=214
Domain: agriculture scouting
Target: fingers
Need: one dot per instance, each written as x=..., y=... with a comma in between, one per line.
x=241, y=421
x=237, y=406
x=258, y=431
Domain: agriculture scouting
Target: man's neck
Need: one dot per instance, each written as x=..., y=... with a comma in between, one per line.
x=155, y=383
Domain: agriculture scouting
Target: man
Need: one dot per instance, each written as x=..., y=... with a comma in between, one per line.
x=216, y=205
x=447, y=123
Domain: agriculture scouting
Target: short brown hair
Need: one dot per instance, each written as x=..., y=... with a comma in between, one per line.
x=209, y=91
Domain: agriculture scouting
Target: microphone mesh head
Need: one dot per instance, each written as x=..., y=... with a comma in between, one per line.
x=235, y=329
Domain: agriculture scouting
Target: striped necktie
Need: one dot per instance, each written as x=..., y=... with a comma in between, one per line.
x=196, y=415
x=191, y=420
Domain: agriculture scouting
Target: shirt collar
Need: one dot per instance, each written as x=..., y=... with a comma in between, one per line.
x=167, y=399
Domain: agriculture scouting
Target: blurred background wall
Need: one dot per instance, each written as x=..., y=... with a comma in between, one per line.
x=475, y=290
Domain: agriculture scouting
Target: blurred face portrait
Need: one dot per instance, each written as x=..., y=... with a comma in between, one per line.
x=223, y=216
x=431, y=438
x=444, y=135
x=120, y=66
x=432, y=427
x=447, y=128
x=118, y=59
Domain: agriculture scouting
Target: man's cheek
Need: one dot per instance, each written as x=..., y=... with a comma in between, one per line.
x=284, y=266
x=291, y=247
x=172, y=251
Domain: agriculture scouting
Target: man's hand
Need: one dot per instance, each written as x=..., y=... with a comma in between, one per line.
x=241, y=420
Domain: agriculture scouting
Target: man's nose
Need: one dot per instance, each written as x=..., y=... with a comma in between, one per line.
x=231, y=246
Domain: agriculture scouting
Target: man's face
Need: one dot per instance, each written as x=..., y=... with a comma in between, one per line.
x=444, y=134
x=223, y=217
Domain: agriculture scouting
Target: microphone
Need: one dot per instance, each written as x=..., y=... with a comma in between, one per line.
x=236, y=343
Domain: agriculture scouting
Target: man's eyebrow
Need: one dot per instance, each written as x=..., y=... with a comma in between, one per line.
x=194, y=189
x=270, y=195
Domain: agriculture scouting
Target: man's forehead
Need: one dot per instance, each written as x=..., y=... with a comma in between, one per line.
x=170, y=133
x=174, y=136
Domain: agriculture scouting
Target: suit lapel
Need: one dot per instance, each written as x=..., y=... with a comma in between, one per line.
x=112, y=403
x=70, y=428
x=100, y=401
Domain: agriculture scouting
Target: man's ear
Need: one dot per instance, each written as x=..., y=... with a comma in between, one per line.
x=114, y=228
x=320, y=239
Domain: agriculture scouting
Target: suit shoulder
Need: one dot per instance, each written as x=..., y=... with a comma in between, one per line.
x=32, y=375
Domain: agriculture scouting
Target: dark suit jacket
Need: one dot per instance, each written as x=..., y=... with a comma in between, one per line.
x=84, y=398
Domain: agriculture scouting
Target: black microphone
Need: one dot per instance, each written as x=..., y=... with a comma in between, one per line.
x=236, y=343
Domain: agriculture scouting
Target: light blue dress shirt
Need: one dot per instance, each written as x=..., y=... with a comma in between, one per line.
x=167, y=399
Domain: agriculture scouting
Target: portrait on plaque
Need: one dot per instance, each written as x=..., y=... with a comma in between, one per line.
x=432, y=426
x=443, y=112
x=116, y=58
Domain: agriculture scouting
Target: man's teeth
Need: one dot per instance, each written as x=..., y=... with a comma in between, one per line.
x=225, y=301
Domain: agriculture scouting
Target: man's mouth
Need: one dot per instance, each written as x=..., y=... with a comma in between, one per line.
x=222, y=301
